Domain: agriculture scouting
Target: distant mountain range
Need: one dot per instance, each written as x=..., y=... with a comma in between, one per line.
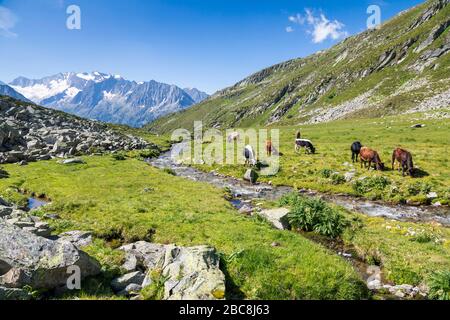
x=106, y=97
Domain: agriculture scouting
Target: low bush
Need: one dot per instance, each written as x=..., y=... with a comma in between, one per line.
x=326, y=173
x=313, y=214
x=337, y=179
x=439, y=284
x=419, y=188
x=366, y=185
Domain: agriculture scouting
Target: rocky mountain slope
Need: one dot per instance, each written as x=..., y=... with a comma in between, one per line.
x=6, y=90
x=29, y=133
x=404, y=66
x=108, y=98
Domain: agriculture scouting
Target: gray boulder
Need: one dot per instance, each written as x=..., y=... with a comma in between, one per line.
x=27, y=259
x=251, y=176
x=277, y=217
x=191, y=273
x=122, y=282
x=78, y=238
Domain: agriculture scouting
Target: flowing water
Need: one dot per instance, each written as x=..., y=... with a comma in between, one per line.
x=243, y=191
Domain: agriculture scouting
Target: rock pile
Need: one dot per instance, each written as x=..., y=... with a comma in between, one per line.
x=30, y=133
x=29, y=259
x=189, y=273
x=13, y=216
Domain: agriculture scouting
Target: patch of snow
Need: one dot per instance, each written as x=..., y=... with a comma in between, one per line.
x=39, y=92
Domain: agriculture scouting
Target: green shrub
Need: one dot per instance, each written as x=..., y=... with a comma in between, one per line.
x=337, y=179
x=170, y=171
x=149, y=153
x=118, y=157
x=326, y=173
x=439, y=284
x=313, y=214
x=366, y=185
x=419, y=188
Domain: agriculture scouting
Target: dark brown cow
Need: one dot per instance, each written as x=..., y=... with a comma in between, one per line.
x=370, y=156
x=405, y=161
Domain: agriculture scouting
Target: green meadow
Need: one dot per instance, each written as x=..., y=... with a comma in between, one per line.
x=325, y=170
x=126, y=201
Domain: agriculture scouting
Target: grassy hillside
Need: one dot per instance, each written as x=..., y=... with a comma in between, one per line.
x=378, y=72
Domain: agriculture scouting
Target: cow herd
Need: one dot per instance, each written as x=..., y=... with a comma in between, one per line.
x=366, y=155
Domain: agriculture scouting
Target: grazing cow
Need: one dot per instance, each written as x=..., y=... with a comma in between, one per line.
x=249, y=155
x=356, y=149
x=370, y=156
x=269, y=147
x=306, y=144
x=405, y=161
x=234, y=136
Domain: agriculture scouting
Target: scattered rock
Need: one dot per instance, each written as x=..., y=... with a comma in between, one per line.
x=34, y=133
x=72, y=161
x=191, y=272
x=30, y=260
x=275, y=244
x=349, y=175
x=432, y=195
x=246, y=209
x=251, y=176
x=78, y=238
x=121, y=283
x=277, y=217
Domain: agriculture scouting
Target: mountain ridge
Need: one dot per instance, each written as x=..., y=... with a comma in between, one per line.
x=106, y=97
x=400, y=67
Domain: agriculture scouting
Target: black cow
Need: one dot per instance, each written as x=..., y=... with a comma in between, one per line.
x=306, y=144
x=356, y=149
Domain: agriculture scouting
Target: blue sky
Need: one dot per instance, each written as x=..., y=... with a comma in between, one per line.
x=208, y=44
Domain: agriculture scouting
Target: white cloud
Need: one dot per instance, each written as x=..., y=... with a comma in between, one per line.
x=298, y=19
x=8, y=21
x=320, y=27
x=289, y=29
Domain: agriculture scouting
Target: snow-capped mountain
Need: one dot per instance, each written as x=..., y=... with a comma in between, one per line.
x=6, y=90
x=107, y=97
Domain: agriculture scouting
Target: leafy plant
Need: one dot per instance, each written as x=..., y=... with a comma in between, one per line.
x=369, y=184
x=170, y=171
x=439, y=284
x=419, y=188
x=313, y=214
x=155, y=291
x=118, y=157
x=337, y=179
x=326, y=173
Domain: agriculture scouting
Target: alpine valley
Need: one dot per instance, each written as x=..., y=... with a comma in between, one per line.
x=106, y=97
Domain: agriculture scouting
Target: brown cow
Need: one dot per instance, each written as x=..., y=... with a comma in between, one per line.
x=269, y=148
x=370, y=156
x=405, y=161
